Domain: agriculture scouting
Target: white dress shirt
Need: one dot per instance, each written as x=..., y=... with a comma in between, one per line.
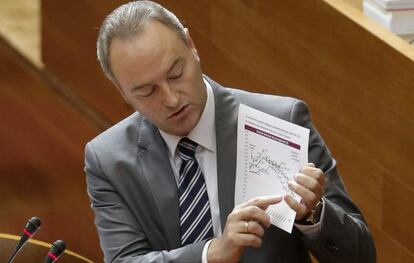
x=204, y=134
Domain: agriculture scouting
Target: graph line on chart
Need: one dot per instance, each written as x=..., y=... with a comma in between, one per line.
x=261, y=163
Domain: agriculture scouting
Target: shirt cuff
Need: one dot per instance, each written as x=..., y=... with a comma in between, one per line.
x=308, y=230
x=205, y=250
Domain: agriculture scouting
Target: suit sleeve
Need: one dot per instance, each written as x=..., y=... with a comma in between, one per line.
x=344, y=235
x=121, y=237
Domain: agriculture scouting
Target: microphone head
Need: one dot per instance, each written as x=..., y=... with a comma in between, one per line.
x=35, y=221
x=29, y=230
x=58, y=247
x=55, y=251
x=32, y=225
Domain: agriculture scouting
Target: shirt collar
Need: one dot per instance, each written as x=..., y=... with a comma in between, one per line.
x=204, y=132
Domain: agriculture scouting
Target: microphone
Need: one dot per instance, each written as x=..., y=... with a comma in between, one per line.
x=55, y=251
x=32, y=225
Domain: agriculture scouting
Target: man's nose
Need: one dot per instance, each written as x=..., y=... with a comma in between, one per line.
x=170, y=97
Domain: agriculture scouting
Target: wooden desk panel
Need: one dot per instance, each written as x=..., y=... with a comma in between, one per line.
x=69, y=33
x=34, y=251
x=42, y=138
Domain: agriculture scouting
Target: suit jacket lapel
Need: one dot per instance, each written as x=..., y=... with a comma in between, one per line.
x=156, y=167
x=226, y=115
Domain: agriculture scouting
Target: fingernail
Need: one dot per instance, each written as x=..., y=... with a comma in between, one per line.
x=295, y=177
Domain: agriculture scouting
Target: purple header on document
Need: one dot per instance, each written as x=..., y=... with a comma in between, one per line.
x=271, y=136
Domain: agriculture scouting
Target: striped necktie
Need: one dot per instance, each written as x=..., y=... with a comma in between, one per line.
x=195, y=215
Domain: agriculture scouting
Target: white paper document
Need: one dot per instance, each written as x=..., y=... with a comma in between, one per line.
x=270, y=151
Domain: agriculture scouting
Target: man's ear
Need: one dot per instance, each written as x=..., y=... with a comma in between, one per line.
x=191, y=44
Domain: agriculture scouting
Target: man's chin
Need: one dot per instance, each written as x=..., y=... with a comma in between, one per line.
x=182, y=128
x=180, y=133
x=177, y=131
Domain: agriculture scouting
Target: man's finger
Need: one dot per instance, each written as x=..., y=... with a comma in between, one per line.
x=302, y=191
x=300, y=208
x=262, y=202
x=249, y=240
x=313, y=172
x=252, y=227
x=310, y=183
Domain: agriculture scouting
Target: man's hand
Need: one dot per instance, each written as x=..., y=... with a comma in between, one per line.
x=244, y=227
x=309, y=184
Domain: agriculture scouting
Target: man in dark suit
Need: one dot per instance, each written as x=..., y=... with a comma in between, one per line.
x=142, y=171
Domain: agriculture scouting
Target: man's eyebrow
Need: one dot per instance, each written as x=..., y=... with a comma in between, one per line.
x=135, y=88
x=176, y=61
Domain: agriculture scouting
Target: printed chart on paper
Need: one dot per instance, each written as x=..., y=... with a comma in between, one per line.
x=270, y=151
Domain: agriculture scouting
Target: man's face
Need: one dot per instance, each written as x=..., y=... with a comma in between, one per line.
x=159, y=75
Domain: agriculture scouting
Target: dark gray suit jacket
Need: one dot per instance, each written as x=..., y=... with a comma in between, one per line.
x=134, y=194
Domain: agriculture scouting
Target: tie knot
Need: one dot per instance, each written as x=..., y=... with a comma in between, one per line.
x=186, y=148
